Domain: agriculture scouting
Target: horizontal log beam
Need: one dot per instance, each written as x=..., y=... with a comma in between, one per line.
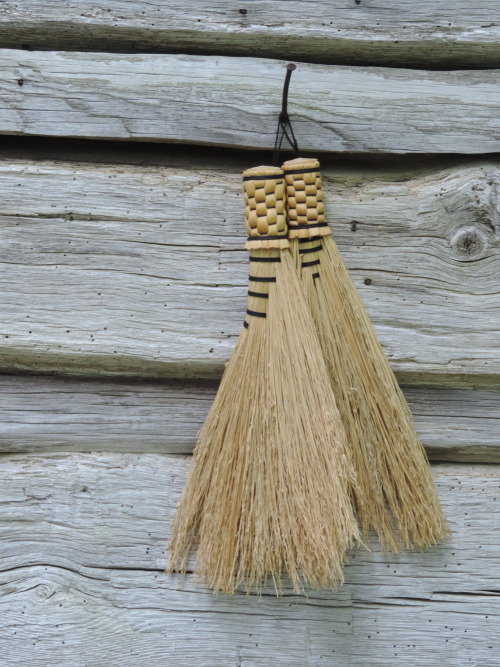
x=225, y=101
x=139, y=270
x=47, y=414
x=397, y=33
x=83, y=548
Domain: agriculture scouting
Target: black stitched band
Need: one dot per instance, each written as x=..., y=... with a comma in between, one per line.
x=255, y=279
x=265, y=259
x=306, y=225
x=311, y=238
x=254, y=313
x=315, y=275
x=301, y=171
x=263, y=177
x=245, y=324
x=260, y=295
x=307, y=250
x=267, y=238
x=313, y=263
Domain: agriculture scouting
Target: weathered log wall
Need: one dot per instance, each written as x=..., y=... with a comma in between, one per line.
x=99, y=263
x=46, y=414
x=400, y=32
x=83, y=552
x=224, y=101
x=122, y=288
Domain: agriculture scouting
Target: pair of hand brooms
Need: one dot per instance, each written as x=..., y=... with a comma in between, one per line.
x=309, y=443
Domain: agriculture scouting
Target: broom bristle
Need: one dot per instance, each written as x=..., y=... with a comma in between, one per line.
x=268, y=491
x=396, y=495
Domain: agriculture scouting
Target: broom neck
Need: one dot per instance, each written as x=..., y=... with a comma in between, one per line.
x=261, y=279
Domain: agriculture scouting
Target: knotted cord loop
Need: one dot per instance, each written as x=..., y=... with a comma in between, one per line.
x=284, y=124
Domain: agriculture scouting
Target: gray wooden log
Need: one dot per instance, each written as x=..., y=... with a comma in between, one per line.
x=223, y=101
x=139, y=270
x=48, y=414
x=81, y=583
x=402, y=32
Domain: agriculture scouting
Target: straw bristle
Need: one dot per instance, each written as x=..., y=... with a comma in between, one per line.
x=268, y=493
x=396, y=494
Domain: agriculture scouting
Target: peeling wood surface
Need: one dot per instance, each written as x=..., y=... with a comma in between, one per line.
x=230, y=101
x=139, y=270
x=48, y=414
x=402, y=33
x=83, y=551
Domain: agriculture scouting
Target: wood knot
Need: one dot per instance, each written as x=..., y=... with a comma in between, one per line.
x=469, y=244
x=44, y=592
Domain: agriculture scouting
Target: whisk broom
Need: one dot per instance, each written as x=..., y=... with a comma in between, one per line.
x=396, y=495
x=268, y=489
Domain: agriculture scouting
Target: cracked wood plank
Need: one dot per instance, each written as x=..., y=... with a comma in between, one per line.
x=377, y=32
x=47, y=414
x=231, y=101
x=83, y=551
x=133, y=270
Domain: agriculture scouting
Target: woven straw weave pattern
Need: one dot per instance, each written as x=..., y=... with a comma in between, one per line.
x=304, y=198
x=265, y=213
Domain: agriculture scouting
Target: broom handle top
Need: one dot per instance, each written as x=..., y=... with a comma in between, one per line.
x=301, y=165
x=305, y=201
x=262, y=172
x=265, y=207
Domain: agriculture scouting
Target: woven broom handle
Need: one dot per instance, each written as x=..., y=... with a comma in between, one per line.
x=265, y=215
x=304, y=195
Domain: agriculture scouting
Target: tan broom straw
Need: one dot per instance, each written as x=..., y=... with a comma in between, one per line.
x=268, y=489
x=396, y=495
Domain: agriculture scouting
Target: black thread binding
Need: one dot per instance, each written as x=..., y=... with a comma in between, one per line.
x=302, y=171
x=313, y=263
x=315, y=275
x=255, y=279
x=265, y=259
x=263, y=177
x=307, y=225
x=260, y=295
x=310, y=238
x=267, y=238
x=316, y=248
x=254, y=313
x=245, y=324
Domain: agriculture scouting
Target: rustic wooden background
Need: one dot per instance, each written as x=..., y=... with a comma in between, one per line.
x=124, y=129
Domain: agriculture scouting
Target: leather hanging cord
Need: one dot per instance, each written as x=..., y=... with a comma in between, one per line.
x=284, y=125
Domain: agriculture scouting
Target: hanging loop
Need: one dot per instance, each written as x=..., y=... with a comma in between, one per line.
x=284, y=124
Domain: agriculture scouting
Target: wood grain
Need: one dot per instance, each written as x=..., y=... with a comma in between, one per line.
x=81, y=580
x=48, y=414
x=231, y=101
x=124, y=269
x=397, y=33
